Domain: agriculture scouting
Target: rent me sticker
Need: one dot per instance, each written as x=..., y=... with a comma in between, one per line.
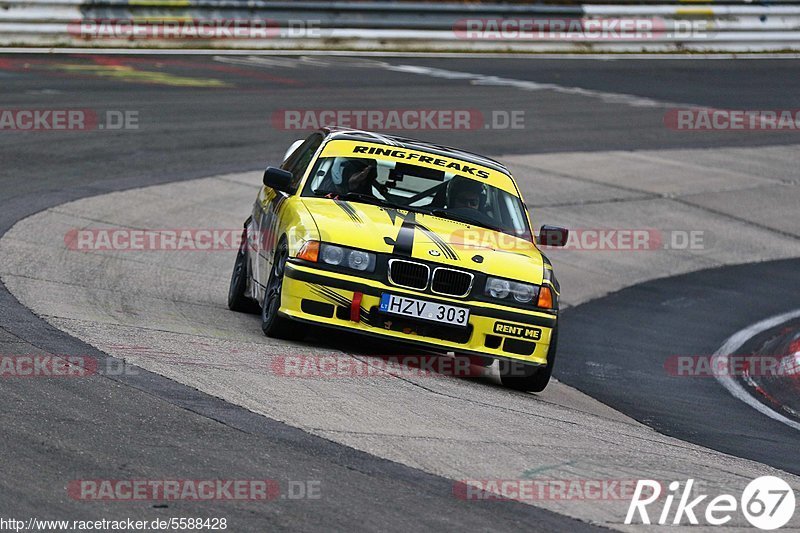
x=513, y=330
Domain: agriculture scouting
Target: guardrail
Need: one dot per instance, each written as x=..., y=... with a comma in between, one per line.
x=623, y=27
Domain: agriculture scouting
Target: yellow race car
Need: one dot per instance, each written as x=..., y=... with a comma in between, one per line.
x=404, y=240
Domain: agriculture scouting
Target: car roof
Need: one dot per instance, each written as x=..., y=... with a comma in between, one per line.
x=342, y=133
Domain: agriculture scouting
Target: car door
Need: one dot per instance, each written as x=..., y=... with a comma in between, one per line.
x=267, y=210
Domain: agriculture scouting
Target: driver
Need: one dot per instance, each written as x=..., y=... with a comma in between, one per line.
x=354, y=175
x=362, y=179
x=464, y=193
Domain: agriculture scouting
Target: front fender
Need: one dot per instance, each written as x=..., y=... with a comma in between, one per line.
x=297, y=225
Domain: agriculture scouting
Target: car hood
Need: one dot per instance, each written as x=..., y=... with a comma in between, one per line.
x=425, y=237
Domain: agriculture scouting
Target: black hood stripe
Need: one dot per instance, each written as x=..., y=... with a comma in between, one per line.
x=446, y=249
x=349, y=210
x=404, y=243
x=392, y=213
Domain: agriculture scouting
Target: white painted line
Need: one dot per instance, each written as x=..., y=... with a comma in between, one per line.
x=377, y=53
x=731, y=346
x=482, y=79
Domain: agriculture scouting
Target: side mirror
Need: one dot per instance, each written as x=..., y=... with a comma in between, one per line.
x=278, y=179
x=552, y=236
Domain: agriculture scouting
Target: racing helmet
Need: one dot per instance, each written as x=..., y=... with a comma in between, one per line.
x=460, y=186
x=337, y=170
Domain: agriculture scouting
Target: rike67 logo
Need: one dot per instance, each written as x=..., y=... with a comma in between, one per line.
x=767, y=503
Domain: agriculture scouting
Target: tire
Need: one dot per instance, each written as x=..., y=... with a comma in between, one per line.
x=530, y=378
x=237, y=300
x=272, y=324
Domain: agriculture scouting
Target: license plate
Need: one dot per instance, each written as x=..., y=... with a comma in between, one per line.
x=411, y=307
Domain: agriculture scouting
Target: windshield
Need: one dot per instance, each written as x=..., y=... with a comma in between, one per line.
x=417, y=188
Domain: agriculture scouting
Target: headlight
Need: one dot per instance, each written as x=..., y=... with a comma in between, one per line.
x=501, y=289
x=498, y=288
x=358, y=260
x=333, y=255
x=347, y=257
x=522, y=292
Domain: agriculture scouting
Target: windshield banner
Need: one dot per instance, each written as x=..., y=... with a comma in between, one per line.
x=423, y=159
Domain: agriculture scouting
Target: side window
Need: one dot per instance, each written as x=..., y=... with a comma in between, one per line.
x=299, y=160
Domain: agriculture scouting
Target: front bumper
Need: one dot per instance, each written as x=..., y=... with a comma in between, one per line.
x=326, y=298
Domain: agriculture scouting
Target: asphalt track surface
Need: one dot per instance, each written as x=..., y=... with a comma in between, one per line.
x=150, y=426
x=620, y=359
